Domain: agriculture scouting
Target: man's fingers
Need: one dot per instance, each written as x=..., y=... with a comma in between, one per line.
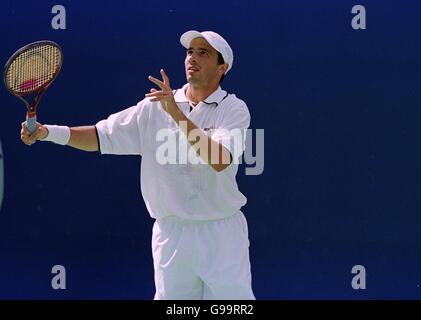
x=35, y=135
x=165, y=77
x=24, y=131
x=156, y=97
x=157, y=82
x=163, y=85
x=158, y=94
x=155, y=94
x=153, y=90
x=26, y=137
x=153, y=99
x=24, y=128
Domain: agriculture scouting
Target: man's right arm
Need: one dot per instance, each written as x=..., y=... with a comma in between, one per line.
x=82, y=138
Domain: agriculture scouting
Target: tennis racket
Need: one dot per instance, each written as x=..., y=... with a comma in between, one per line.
x=30, y=71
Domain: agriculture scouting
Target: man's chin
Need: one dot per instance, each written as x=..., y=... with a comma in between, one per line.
x=192, y=80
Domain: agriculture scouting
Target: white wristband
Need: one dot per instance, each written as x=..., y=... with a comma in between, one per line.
x=58, y=134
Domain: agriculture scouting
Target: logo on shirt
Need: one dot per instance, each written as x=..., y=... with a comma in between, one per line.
x=209, y=130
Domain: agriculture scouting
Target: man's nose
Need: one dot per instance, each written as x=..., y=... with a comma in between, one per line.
x=192, y=58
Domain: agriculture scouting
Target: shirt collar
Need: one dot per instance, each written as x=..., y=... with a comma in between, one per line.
x=215, y=98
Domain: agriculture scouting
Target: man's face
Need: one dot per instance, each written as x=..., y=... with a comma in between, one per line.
x=201, y=63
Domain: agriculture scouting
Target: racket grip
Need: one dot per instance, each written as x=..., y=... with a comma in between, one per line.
x=31, y=122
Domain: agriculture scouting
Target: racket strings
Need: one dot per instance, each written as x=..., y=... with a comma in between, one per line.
x=33, y=68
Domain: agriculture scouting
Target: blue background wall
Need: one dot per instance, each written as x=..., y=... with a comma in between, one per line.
x=340, y=109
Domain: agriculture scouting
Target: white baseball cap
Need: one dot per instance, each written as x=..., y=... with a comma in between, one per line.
x=214, y=39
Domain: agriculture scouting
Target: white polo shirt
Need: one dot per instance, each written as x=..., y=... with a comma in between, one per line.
x=186, y=190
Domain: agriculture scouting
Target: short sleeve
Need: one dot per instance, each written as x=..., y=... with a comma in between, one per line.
x=124, y=132
x=232, y=130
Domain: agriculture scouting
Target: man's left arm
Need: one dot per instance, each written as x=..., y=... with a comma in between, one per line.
x=209, y=150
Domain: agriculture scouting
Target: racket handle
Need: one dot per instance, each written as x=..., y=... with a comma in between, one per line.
x=31, y=122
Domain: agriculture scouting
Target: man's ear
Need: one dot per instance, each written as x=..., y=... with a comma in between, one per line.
x=223, y=67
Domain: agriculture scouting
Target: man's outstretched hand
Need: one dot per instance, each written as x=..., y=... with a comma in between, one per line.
x=165, y=95
x=29, y=139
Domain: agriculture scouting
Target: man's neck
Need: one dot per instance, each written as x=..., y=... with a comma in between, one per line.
x=195, y=95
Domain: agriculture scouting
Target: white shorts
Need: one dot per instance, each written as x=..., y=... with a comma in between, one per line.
x=202, y=259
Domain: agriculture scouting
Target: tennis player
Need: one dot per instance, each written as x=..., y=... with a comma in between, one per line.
x=200, y=239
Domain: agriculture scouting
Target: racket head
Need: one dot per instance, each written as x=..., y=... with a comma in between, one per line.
x=32, y=68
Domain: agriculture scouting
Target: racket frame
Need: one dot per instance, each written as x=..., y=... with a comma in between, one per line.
x=39, y=91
